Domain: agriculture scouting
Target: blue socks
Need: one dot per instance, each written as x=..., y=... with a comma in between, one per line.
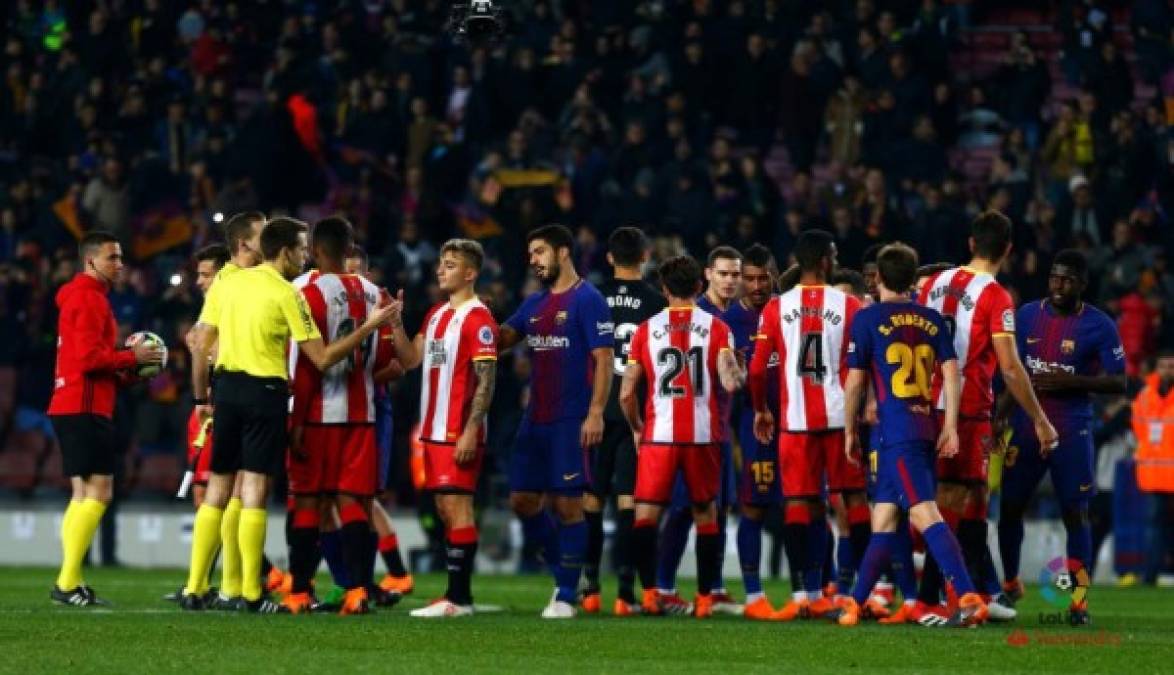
x=674, y=537
x=944, y=546
x=1079, y=539
x=845, y=564
x=904, y=574
x=750, y=553
x=540, y=528
x=876, y=557
x=572, y=545
x=331, y=543
x=1011, y=541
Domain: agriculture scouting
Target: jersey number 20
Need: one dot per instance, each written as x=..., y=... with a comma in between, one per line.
x=914, y=366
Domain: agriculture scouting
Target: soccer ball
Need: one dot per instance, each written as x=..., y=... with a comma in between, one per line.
x=150, y=338
x=1063, y=581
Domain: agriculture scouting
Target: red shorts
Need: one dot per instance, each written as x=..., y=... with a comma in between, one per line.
x=974, y=450
x=443, y=474
x=803, y=458
x=844, y=476
x=657, y=465
x=199, y=458
x=336, y=458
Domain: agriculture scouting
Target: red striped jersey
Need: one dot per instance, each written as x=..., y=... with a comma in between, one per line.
x=976, y=309
x=809, y=327
x=454, y=338
x=678, y=350
x=345, y=392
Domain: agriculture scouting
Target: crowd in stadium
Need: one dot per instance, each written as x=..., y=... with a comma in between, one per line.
x=703, y=122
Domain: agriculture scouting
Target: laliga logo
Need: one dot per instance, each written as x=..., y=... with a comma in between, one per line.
x=1063, y=580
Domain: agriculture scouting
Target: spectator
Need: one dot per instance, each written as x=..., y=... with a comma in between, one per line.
x=1153, y=412
x=1023, y=84
x=107, y=200
x=844, y=121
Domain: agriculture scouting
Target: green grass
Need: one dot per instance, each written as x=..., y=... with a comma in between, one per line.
x=144, y=634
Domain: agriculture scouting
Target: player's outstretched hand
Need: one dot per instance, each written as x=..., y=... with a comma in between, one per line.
x=764, y=426
x=592, y=431
x=1046, y=433
x=948, y=442
x=148, y=353
x=388, y=313
x=465, y=450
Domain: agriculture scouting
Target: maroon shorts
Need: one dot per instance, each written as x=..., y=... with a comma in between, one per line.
x=969, y=466
x=803, y=459
x=335, y=458
x=443, y=474
x=199, y=458
x=657, y=465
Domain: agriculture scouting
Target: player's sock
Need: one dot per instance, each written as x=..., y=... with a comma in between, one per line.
x=719, y=583
x=572, y=546
x=594, y=549
x=709, y=553
x=984, y=575
x=845, y=564
x=371, y=552
x=817, y=551
x=205, y=539
x=795, y=528
x=674, y=537
x=540, y=528
x=355, y=538
x=750, y=556
x=303, y=542
x=461, y=553
x=828, y=570
x=876, y=557
x=943, y=543
x=67, y=538
x=1079, y=531
x=331, y=546
x=82, y=525
x=644, y=537
x=970, y=541
x=389, y=551
x=901, y=561
x=230, y=564
x=859, y=530
x=621, y=552
x=252, y=545
x=1010, y=540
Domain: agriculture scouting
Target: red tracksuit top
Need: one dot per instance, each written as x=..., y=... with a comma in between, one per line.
x=87, y=360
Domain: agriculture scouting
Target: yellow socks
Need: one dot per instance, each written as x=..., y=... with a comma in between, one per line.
x=230, y=553
x=252, y=547
x=205, y=538
x=77, y=531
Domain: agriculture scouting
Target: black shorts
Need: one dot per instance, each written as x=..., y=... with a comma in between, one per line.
x=613, y=461
x=87, y=444
x=250, y=432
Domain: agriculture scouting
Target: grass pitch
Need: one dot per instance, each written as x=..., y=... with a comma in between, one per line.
x=1133, y=633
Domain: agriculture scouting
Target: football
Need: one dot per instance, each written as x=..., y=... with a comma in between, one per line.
x=150, y=338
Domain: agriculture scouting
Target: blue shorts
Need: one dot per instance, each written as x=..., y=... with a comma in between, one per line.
x=549, y=458
x=727, y=490
x=904, y=474
x=1071, y=466
x=384, y=441
x=759, y=483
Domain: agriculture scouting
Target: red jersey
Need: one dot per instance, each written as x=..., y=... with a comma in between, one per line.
x=345, y=392
x=678, y=350
x=454, y=338
x=809, y=328
x=85, y=376
x=976, y=309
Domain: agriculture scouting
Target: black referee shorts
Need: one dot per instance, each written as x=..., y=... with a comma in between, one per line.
x=87, y=444
x=250, y=431
x=613, y=461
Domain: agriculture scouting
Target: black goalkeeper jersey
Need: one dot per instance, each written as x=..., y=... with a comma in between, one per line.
x=632, y=303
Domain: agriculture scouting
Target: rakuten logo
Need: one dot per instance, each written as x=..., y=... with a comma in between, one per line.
x=1038, y=365
x=541, y=343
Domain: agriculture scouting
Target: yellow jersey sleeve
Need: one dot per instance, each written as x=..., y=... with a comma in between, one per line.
x=297, y=316
x=210, y=312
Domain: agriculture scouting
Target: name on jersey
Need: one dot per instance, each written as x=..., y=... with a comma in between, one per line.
x=541, y=343
x=908, y=319
x=344, y=297
x=1038, y=365
x=686, y=327
x=628, y=301
x=963, y=297
x=437, y=356
x=828, y=315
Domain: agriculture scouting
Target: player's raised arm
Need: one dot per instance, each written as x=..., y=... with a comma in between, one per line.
x=729, y=371
x=310, y=342
x=952, y=389
x=409, y=351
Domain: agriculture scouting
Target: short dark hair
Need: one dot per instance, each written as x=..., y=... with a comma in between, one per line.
x=468, y=249
x=852, y=278
x=92, y=241
x=681, y=276
x=217, y=253
x=722, y=253
x=758, y=256
x=556, y=235
x=627, y=246
x=811, y=247
x=239, y=228
x=896, y=264
x=332, y=236
x=280, y=233
x=869, y=255
x=1073, y=260
x=991, y=232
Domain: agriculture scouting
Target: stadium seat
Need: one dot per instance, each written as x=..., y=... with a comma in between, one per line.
x=158, y=473
x=20, y=461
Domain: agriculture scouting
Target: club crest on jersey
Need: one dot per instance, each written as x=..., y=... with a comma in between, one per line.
x=485, y=335
x=560, y=317
x=1067, y=346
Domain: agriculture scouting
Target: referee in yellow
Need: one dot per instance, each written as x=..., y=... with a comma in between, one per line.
x=259, y=313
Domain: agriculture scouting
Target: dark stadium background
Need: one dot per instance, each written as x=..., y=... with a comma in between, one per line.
x=704, y=122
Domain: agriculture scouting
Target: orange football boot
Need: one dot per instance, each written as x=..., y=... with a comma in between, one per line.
x=592, y=603
x=820, y=607
x=874, y=609
x=402, y=585
x=904, y=614
x=297, y=603
x=971, y=611
x=650, y=603
x=355, y=602
x=794, y=609
x=278, y=582
x=759, y=610
x=1014, y=590
x=703, y=606
x=625, y=608
x=849, y=612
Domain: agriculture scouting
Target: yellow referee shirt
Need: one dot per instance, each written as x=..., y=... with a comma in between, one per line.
x=212, y=297
x=259, y=313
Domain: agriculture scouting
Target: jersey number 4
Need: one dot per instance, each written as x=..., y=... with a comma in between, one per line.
x=914, y=367
x=811, y=363
x=673, y=361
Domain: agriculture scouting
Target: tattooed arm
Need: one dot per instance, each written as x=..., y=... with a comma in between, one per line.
x=486, y=371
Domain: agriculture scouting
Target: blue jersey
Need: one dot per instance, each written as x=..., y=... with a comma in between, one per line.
x=561, y=330
x=901, y=345
x=1083, y=343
